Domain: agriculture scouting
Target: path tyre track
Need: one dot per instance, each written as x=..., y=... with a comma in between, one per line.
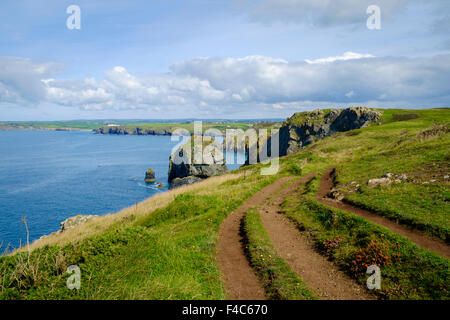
x=421, y=239
x=320, y=274
x=241, y=282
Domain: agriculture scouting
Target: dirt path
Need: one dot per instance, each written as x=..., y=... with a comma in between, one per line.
x=240, y=280
x=321, y=275
x=433, y=244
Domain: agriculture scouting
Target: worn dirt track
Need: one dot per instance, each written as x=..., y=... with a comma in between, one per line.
x=241, y=281
x=320, y=275
x=421, y=239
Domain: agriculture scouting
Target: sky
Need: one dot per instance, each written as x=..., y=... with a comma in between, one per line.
x=233, y=59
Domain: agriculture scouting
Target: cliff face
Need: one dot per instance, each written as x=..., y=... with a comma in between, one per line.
x=131, y=131
x=182, y=171
x=305, y=128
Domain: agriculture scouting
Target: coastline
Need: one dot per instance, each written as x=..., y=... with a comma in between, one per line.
x=8, y=128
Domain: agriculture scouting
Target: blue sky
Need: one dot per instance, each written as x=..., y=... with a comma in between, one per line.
x=219, y=59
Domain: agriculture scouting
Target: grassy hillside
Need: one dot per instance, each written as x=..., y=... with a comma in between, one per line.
x=165, y=247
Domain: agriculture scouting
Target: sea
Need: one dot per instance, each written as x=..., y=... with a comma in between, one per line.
x=47, y=176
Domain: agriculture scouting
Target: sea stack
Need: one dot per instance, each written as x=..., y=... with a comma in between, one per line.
x=150, y=176
x=183, y=171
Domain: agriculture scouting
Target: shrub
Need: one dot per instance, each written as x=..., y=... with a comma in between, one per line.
x=294, y=169
x=377, y=253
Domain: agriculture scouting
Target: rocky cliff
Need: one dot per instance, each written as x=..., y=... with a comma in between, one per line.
x=182, y=170
x=131, y=131
x=305, y=128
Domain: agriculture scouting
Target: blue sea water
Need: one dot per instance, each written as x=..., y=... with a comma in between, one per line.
x=49, y=176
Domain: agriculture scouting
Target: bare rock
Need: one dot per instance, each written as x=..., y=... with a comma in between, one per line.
x=305, y=128
x=150, y=176
x=379, y=182
x=178, y=182
x=181, y=166
x=75, y=221
x=336, y=194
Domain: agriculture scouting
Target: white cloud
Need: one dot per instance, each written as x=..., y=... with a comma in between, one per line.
x=267, y=80
x=212, y=85
x=346, y=56
x=20, y=79
x=350, y=94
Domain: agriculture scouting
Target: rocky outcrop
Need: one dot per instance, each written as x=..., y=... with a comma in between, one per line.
x=339, y=191
x=305, y=128
x=75, y=221
x=150, y=175
x=178, y=182
x=382, y=182
x=183, y=171
x=69, y=223
x=131, y=131
x=387, y=180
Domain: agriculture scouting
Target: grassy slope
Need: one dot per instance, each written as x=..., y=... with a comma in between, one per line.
x=398, y=147
x=80, y=125
x=169, y=253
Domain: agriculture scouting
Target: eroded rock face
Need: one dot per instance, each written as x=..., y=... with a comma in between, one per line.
x=186, y=172
x=178, y=182
x=305, y=128
x=131, y=131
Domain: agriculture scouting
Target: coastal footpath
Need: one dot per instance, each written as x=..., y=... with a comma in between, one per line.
x=374, y=195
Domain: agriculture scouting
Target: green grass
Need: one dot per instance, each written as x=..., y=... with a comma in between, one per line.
x=280, y=282
x=80, y=125
x=407, y=271
x=421, y=206
x=301, y=118
x=169, y=254
x=412, y=147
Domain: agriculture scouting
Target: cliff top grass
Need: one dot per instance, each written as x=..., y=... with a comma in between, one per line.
x=317, y=116
x=308, y=117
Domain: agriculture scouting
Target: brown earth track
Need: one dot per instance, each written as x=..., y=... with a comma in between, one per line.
x=241, y=282
x=421, y=239
x=320, y=274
